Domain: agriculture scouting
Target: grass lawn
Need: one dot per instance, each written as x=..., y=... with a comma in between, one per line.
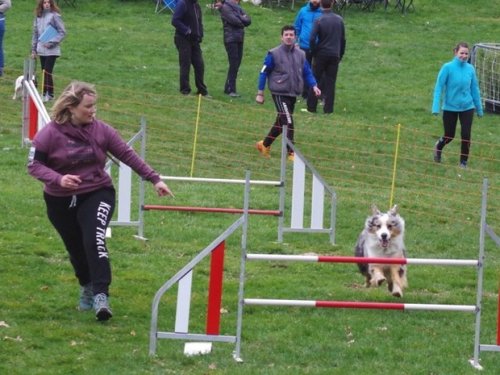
x=384, y=93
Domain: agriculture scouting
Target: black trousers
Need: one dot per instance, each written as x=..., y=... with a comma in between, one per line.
x=190, y=54
x=47, y=64
x=450, y=120
x=325, y=70
x=285, y=106
x=81, y=221
x=234, y=56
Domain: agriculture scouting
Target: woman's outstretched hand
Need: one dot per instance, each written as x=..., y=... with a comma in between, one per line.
x=162, y=189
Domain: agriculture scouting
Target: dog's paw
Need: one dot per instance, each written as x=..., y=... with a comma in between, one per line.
x=377, y=281
x=397, y=291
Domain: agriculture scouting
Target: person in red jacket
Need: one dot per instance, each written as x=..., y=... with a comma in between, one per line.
x=69, y=155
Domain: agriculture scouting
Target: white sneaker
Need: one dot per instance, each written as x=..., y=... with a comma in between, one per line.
x=101, y=307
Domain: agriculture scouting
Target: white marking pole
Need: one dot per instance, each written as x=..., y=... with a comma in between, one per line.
x=124, y=193
x=183, y=303
x=318, y=203
x=298, y=188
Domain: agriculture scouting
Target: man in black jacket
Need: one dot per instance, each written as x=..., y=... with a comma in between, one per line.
x=234, y=21
x=188, y=36
x=327, y=45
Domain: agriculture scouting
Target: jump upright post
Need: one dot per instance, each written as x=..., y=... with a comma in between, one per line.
x=484, y=230
x=183, y=279
x=35, y=115
x=124, y=194
x=319, y=190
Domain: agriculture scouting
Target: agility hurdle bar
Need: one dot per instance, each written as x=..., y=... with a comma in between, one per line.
x=184, y=280
x=210, y=209
x=346, y=259
x=358, y=305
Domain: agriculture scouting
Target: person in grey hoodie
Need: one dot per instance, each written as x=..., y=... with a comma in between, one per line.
x=69, y=155
x=47, y=18
x=4, y=7
x=234, y=20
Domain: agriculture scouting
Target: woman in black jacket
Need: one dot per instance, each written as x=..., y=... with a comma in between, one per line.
x=234, y=21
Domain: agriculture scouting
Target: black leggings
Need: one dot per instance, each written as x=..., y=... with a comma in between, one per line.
x=47, y=64
x=285, y=106
x=81, y=221
x=450, y=120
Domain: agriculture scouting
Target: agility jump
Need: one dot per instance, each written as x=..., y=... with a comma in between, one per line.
x=321, y=220
x=243, y=300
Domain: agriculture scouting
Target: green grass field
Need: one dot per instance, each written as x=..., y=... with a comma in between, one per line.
x=385, y=80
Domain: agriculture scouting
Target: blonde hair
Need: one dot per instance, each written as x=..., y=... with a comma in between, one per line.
x=71, y=97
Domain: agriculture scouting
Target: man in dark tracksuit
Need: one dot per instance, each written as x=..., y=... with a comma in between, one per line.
x=285, y=68
x=327, y=45
x=234, y=20
x=187, y=21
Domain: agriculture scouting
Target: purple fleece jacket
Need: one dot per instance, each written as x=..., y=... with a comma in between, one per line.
x=60, y=149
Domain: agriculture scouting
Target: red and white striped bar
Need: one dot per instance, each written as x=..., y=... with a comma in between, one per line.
x=359, y=305
x=344, y=259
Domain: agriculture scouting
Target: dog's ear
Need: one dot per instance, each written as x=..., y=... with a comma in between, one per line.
x=375, y=210
x=394, y=210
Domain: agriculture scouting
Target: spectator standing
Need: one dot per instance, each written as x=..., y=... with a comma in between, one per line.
x=69, y=155
x=303, y=26
x=234, y=20
x=4, y=7
x=327, y=43
x=286, y=69
x=457, y=78
x=47, y=15
x=187, y=20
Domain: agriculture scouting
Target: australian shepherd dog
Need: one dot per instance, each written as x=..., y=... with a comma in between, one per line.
x=383, y=237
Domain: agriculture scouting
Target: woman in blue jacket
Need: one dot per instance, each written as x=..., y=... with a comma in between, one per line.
x=458, y=80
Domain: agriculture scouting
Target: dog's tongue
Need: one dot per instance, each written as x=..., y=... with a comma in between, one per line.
x=385, y=243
